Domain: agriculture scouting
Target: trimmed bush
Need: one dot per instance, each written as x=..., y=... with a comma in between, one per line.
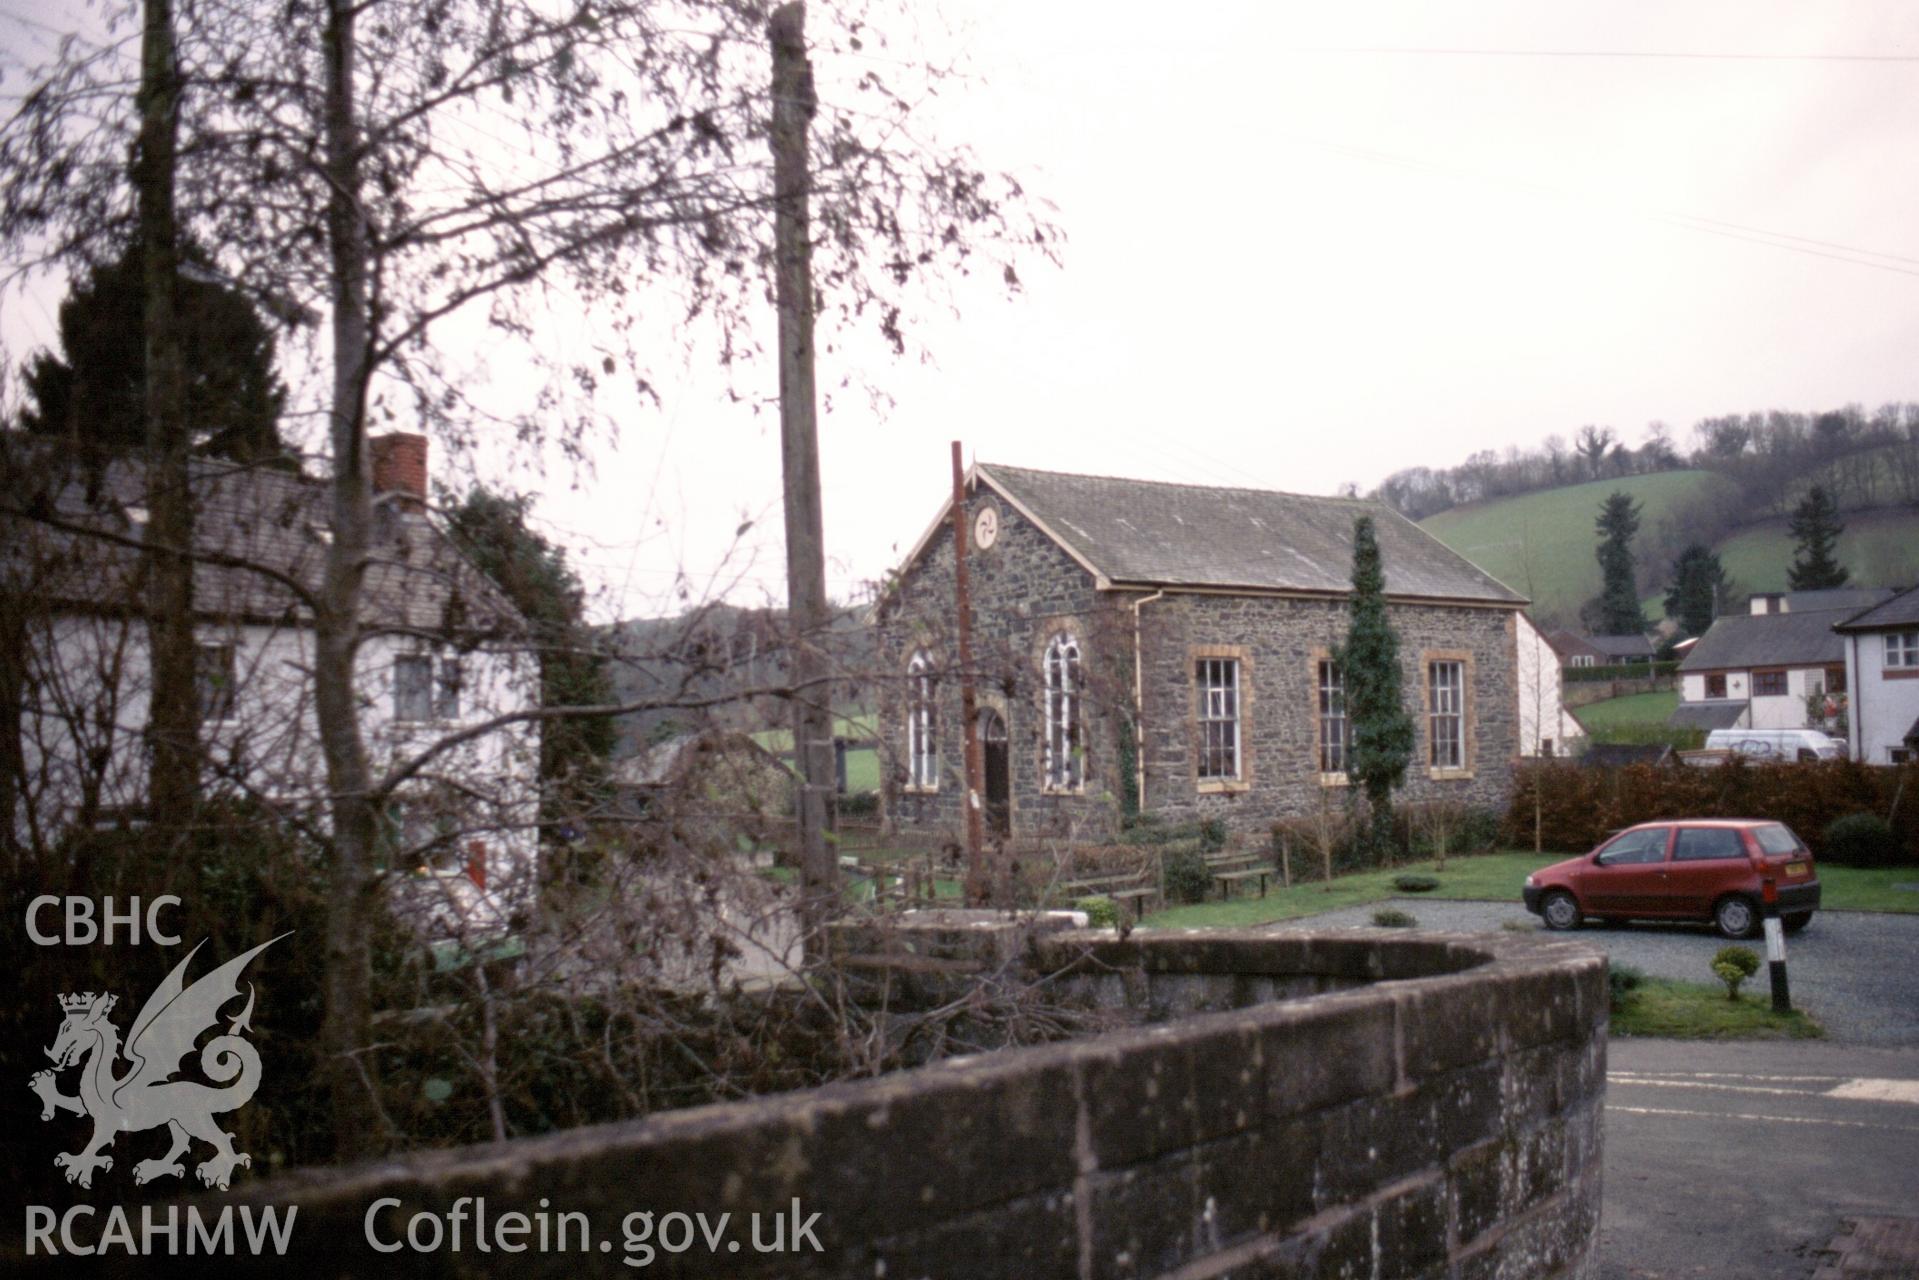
x=1187, y=876
x=1860, y=840
x=1415, y=883
x=1733, y=965
x=1393, y=918
x=1101, y=911
x=1621, y=981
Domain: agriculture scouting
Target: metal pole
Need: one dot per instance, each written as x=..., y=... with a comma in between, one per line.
x=1775, y=948
x=978, y=882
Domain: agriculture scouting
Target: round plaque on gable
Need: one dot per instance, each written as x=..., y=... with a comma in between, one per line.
x=986, y=527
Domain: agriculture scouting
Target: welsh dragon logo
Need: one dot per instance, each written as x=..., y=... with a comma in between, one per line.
x=144, y=1096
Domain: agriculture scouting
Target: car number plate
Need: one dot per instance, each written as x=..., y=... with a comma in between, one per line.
x=1795, y=868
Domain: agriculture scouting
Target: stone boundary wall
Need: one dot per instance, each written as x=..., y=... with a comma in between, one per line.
x=1433, y=1112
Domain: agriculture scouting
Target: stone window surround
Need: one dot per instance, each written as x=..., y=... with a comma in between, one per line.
x=1468, y=712
x=1195, y=654
x=1072, y=630
x=928, y=670
x=1324, y=654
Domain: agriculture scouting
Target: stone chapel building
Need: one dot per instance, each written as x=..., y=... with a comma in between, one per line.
x=1171, y=645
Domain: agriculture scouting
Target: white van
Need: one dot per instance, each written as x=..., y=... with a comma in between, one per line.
x=1777, y=744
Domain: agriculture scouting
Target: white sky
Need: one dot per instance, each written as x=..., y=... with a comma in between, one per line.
x=1301, y=253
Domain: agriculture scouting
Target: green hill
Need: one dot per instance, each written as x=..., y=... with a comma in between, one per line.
x=1542, y=544
x=1880, y=547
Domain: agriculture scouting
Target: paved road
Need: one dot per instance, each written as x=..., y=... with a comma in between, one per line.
x=1855, y=971
x=1740, y=1161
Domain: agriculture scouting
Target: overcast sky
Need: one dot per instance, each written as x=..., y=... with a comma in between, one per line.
x=1314, y=245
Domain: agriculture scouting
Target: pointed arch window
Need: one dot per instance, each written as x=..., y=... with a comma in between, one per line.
x=922, y=751
x=1065, y=757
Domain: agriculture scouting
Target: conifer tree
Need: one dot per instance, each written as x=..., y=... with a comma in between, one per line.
x=1815, y=529
x=1619, y=613
x=1369, y=661
x=1698, y=580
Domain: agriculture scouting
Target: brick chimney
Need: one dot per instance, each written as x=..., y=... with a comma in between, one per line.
x=399, y=468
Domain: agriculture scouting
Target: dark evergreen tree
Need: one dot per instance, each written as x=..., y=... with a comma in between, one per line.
x=1698, y=585
x=95, y=392
x=1618, y=613
x=492, y=529
x=1815, y=529
x=1369, y=660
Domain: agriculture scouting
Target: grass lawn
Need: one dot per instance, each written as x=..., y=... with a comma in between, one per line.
x=1486, y=877
x=1697, y=1011
x=1632, y=710
x=1492, y=877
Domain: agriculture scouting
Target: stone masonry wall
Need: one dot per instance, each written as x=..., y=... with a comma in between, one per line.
x=1439, y=1118
x=1026, y=588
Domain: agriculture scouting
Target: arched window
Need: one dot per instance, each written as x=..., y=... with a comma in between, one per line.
x=1064, y=757
x=922, y=753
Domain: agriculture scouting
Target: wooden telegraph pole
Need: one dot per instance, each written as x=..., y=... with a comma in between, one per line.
x=793, y=106
x=978, y=882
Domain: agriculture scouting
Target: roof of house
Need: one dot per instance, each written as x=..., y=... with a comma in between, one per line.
x=1900, y=611
x=1635, y=645
x=1151, y=533
x=1742, y=641
x=261, y=535
x=1604, y=754
x=1835, y=598
x=1718, y=713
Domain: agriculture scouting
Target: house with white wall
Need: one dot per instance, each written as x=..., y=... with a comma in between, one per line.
x=1759, y=670
x=1546, y=727
x=442, y=650
x=1882, y=667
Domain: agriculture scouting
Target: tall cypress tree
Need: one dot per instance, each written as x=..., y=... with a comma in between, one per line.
x=1815, y=528
x=1618, y=521
x=1697, y=581
x=1369, y=660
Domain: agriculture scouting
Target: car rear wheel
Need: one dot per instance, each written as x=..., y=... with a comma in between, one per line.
x=1561, y=910
x=1796, y=921
x=1734, y=917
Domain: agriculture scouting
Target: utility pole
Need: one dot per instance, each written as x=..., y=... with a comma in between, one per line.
x=978, y=882
x=173, y=714
x=793, y=107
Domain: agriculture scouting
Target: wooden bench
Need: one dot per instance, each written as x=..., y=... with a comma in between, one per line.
x=1232, y=869
x=1122, y=886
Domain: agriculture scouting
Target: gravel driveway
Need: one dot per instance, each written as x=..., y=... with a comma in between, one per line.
x=1855, y=971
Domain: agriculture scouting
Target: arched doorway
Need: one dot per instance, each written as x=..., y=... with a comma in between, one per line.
x=999, y=779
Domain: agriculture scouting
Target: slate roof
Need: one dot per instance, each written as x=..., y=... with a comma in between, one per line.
x=1716, y=714
x=1627, y=646
x=1742, y=641
x=1152, y=533
x=1900, y=611
x=417, y=580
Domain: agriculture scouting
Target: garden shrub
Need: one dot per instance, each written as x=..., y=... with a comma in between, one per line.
x=1860, y=840
x=1393, y=918
x=1621, y=981
x=1734, y=965
x=1415, y=883
x=1212, y=835
x=1101, y=911
x=1187, y=875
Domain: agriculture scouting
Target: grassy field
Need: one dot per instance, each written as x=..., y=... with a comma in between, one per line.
x=1632, y=710
x=1541, y=544
x=1696, y=1011
x=1878, y=546
x=862, y=765
x=1493, y=877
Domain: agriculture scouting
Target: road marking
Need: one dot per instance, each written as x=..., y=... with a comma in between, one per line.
x=1722, y=1075
x=1656, y=1082
x=1742, y=1115
x=1877, y=1090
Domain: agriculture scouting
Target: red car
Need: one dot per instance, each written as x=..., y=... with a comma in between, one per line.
x=1685, y=869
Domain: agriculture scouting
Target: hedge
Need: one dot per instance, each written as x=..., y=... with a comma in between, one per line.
x=1619, y=671
x=1578, y=807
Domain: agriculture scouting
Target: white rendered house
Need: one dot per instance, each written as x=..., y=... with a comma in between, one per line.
x=1882, y=665
x=442, y=650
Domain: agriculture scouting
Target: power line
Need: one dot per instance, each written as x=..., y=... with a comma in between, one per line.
x=1647, y=54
